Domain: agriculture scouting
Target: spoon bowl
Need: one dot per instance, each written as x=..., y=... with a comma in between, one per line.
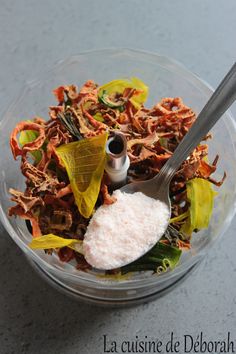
x=153, y=188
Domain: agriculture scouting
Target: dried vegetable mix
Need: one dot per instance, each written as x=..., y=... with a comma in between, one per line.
x=63, y=162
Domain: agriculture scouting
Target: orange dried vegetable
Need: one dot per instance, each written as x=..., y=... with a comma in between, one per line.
x=31, y=146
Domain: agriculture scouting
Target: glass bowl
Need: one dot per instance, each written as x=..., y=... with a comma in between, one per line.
x=165, y=78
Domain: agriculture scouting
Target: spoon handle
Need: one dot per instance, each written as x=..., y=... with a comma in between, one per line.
x=220, y=101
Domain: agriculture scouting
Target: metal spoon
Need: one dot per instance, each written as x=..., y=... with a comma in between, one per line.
x=158, y=187
x=220, y=101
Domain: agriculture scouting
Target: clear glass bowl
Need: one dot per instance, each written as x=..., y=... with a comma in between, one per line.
x=165, y=78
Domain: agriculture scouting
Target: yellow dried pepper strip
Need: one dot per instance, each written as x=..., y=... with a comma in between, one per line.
x=84, y=161
x=201, y=195
x=52, y=241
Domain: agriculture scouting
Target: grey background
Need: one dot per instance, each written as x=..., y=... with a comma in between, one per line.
x=33, y=35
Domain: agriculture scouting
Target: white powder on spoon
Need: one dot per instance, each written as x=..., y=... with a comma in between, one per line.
x=121, y=232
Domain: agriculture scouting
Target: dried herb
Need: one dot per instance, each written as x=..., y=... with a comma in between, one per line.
x=68, y=121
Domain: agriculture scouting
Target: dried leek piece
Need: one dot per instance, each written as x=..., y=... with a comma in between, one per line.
x=139, y=99
x=116, y=276
x=201, y=195
x=27, y=136
x=98, y=116
x=52, y=241
x=179, y=217
x=118, y=86
x=159, y=259
x=84, y=161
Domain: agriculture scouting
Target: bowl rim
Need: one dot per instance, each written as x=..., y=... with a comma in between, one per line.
x=171, y=65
